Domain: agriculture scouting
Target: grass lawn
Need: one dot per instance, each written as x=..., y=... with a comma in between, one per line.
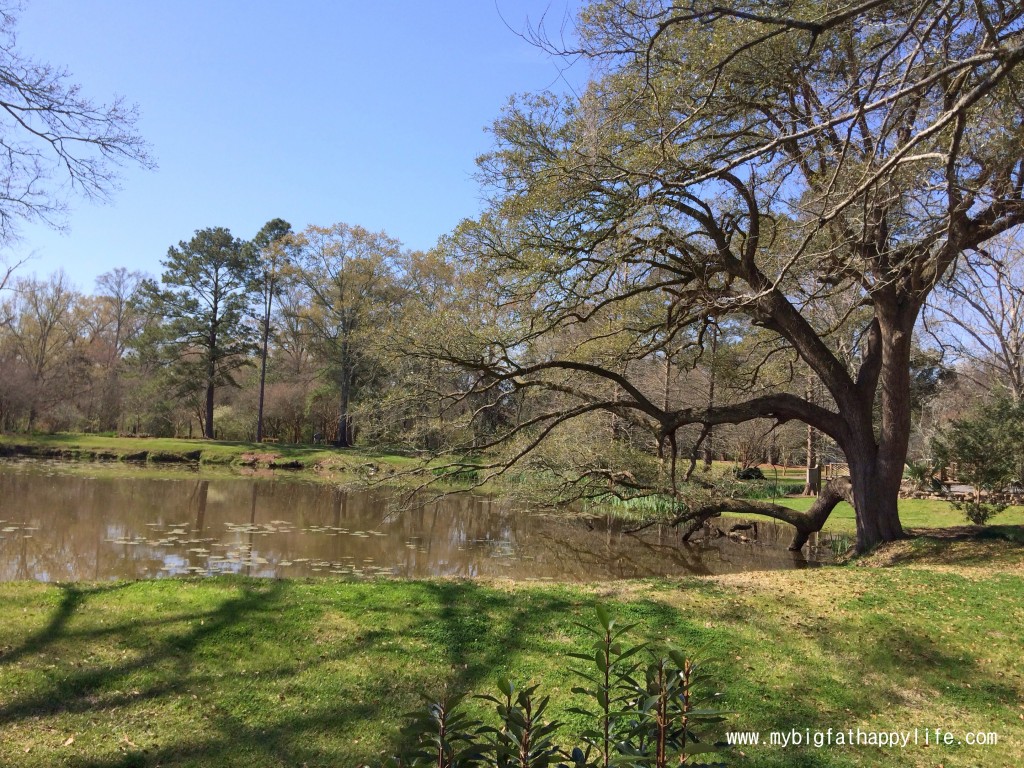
x=914, y=513
x=235, y=672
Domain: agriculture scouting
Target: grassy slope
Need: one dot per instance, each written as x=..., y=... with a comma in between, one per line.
x=232, y=672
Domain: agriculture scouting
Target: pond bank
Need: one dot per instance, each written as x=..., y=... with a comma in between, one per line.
x=157, y=451
x=239, y=672
x=348, y=465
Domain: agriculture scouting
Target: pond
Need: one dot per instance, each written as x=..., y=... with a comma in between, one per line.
x=66, y=523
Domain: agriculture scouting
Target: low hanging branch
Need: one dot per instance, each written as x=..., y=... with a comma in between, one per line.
x=836, y=490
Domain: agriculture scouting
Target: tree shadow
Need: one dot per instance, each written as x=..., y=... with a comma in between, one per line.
x=79, y=691
x=872, y=662
x=72, y=598
x=470, y=630
x=457, y=635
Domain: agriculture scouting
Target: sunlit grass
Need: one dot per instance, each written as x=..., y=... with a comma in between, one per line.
x=914, y=513
x=235, y=672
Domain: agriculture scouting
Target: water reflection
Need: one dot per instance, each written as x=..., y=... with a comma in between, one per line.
x=61, y=526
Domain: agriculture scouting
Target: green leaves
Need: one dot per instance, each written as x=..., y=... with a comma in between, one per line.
x=634, y=720
x=444, y=736
x=524, y=739
x=988, y=451
x=202, y=307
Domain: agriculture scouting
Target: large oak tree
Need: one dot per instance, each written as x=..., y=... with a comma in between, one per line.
x=750, y=161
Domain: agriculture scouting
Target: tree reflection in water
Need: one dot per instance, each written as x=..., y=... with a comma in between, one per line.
x=63, y=526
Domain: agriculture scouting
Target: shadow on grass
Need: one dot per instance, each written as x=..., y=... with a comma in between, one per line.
x=90, y=688
x=904, y=661
x=328, y=693
x=290, y=673
x=958, y=545
x=72, y=597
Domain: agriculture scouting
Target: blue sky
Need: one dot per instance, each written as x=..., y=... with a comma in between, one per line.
x=317, y=112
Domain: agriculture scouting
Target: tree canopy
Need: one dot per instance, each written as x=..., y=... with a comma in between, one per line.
x=750, y=164
x=350, y=274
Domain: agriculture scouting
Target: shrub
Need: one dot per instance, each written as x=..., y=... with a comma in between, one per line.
x=750, y=473
x=988, y=449
x=923, y=475
x=456, y=474
x=641, y=708
x=979, y=512
x=771, y=490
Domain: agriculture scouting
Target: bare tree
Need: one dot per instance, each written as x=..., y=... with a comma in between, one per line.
x=978, y=315
x=114, y=321
x=118, y=290
x=7, y=271
x=53, y=139
x=44, y=330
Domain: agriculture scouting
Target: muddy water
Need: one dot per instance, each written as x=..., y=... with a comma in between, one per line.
x=59, y=525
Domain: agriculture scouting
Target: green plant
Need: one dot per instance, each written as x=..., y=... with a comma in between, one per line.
x=979, y=512
x=524, y=739
x=456, y=474
x=632, y=720
x=770, y=489
x=988, y=450
x=923, y=475
x=988, y=447
x=666, y=715
x=612, y=688
x=444, y=737
x=840, y=544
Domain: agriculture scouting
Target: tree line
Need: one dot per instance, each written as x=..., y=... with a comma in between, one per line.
x=285, y=335
x=326, y=335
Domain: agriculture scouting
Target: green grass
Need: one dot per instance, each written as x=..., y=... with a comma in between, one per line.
x=235, y=672
x=914, y=513
x=209, y=453
x=782, y=472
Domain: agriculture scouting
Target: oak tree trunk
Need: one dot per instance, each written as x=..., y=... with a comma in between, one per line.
x=876, y=503
x=877, y=460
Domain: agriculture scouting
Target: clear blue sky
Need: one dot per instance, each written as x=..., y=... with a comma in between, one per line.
x=370, y=113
